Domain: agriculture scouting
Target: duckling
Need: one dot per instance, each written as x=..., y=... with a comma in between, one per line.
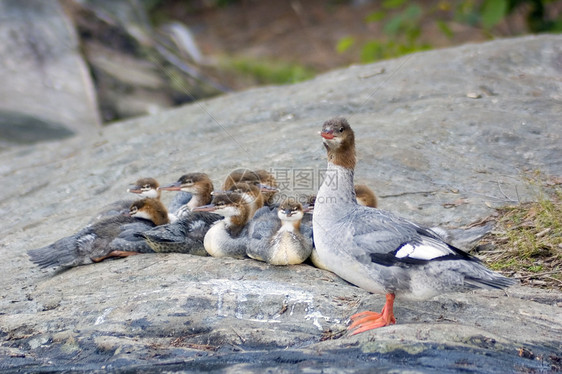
x=280, y=240
x=199, y=185
x=186, y=233
x=378, y=251
x=365, y=196
x=143, y=187
x=251, y=193
x=146, y=188
x=110, y=237
x=240, y=175
x=227, y=237
x=267, y=185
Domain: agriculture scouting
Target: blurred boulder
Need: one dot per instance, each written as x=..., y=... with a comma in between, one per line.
x=46, y=90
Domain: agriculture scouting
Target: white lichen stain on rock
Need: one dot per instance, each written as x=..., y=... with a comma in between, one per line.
x=101, y=318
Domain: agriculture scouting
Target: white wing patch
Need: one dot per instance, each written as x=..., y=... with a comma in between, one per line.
x=421, y=252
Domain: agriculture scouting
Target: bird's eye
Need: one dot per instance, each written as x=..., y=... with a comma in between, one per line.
x=146, y=186
x=134, y=210
x=341, y=129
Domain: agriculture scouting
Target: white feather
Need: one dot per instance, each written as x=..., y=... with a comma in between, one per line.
x=421, y=252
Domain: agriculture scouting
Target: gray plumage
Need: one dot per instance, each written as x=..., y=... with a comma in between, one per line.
x=228, y=237
x=271, y=243
x=116, y=208
x=377, y=250
x=180, y=199
x=93, y=241
x=183, y=236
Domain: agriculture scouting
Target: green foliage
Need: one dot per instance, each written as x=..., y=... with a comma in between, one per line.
x=493, y=11
x=269, y=72
x=345, y=43
x=402, y=22
x=392, y=4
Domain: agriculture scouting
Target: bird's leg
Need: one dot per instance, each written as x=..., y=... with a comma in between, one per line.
x=114, y=254
x=370, y=320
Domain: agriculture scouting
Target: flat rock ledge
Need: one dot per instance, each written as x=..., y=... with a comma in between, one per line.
x=443, y=138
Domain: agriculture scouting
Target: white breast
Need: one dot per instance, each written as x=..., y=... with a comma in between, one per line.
x=215, y=239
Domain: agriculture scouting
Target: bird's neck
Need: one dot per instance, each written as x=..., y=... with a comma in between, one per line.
x=343, y=155
x=337, y=187
x=159, y=216
x=290, y=226
x=235, y=224
x=200, y=198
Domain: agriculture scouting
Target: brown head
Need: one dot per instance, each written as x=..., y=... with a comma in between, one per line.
x=291, y=211
x=146, y=187
x=240, y=175
x=269, y=185
x=339, y=141
x=150, y=209
x=253, y=193
x=198, y=184
x=365, y=196
x=231, y=205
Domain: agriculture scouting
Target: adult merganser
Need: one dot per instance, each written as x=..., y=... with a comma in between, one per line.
x=378, y=251
x=365, y=196
x=280, y=240
x=143, y=187
x=229, y=236
x=199, y=185
x=110, y=237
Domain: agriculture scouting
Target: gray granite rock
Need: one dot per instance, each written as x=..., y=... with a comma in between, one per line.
x=443, y=137
x=46, y=90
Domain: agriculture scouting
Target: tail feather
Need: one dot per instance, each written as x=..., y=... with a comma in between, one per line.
x=62, y=253
x=45, y=257
x=494, y=281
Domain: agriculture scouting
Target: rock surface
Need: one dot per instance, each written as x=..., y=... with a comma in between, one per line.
x=46, y=89
x=443, y=137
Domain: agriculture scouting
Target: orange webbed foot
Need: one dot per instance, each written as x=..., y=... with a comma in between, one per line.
x=364, y=321
x=114, y=254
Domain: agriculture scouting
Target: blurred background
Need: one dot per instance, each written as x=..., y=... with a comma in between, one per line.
x=71, y=66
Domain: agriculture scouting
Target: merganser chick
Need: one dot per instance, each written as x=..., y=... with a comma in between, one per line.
x=229, y=236
x=143, y=187
x=146, y=188
x=269, y=186
x=280, y=240
x=240, y=175
x=110, y=237
x=378, y=251
x=253, y=178
x=199, y=185
x=365, y=196
x=251, y=193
